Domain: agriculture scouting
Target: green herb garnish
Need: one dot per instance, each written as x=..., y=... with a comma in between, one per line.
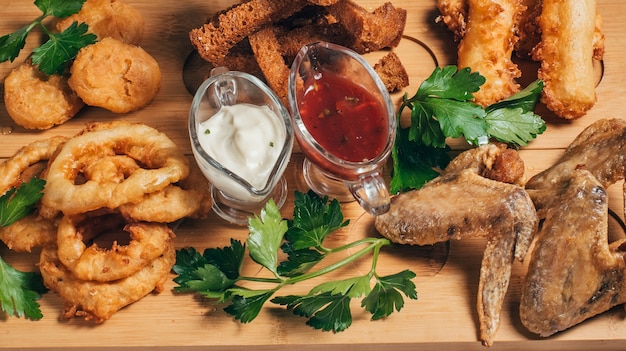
x=216, y=272
x=18, y=202
x=19, y=291
x=53, y=56
x=442, y=108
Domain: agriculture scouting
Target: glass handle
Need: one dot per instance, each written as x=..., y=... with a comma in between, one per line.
x=372, y=193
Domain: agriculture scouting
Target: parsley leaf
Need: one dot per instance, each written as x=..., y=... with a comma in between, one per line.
x=59, y=8
x=443, y=108
x=266, y=235
x=385, y=296
x=415, y=164
x=440, y=108
x=12, y=44
x=314, y=219
x=325, y=311
x=18, y=202
x=216, y=272
x=54, y=55
x=19, y=292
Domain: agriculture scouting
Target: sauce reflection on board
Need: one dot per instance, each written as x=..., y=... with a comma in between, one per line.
x=346, y=119
x=246, y=139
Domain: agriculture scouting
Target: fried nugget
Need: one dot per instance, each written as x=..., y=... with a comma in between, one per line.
x=488, y=45
x=108, y=18
x=35, y=100
x=566, y=53
x=214, y=39
x=116, y=76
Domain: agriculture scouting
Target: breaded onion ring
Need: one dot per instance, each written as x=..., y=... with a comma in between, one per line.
x=28, y=232
x=99, y=301
x=191, y=197
x=35, y=100
x=116, y=76
x=147, y=242
x=111, y=169
x=40, y=150
x=32, y=230
x=161, y=160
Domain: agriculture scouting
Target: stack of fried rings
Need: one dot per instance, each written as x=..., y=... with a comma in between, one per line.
x=109, y=177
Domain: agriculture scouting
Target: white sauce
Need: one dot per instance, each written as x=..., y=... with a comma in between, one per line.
x=247, y=140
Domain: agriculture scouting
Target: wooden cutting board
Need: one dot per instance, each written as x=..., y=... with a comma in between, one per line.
x=444, y=316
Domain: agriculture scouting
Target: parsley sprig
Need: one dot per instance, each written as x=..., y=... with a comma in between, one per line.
x=216, y=273
x=19, y=291
x=53, y=56
x=443, y=108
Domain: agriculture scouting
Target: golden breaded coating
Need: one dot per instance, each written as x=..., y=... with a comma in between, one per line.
x=35, y=100
x=566, y=53
x=488, y=45
x=454, y=15
x=108, y=18
x=116, y=76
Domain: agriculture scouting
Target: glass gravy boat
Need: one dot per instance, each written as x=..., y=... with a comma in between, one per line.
x=344, y=122
x=252, y=144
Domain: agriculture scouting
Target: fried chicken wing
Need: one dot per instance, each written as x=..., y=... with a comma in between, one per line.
x=599, y=148
x=462, y=203
x=574, y=273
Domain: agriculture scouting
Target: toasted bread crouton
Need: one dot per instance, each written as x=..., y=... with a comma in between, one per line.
x=391, y=71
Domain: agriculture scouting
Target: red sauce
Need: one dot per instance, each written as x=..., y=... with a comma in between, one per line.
x=344, y=117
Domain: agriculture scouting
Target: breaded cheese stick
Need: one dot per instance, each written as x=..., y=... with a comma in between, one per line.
x=488, y=45
x=454, y=15
x=566, y=53
x=528, y=29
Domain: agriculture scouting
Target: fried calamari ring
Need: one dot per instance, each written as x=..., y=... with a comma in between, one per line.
x=28, y=232
x=147, y=242
x=161, y=160
x=32, y=230
x=40, y=150
x=191, y=197
x=108, y=18
x=111, y=169
x=98, y=301
x=35, y=100
x=116, y=76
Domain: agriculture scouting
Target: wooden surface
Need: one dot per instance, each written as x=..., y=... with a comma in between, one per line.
x=444, y=317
